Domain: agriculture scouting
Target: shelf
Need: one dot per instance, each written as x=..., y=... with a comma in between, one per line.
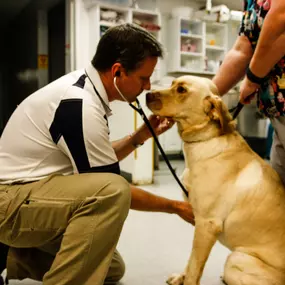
x=191, y=36
x=189, y=71
x=107, y=24
x=188, y=36
x=193, y=21
x=194, y=54
x=89, y=4
x=215, y=48
x=215, y=25
x=142, y=12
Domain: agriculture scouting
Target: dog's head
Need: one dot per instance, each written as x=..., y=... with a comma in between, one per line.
x=193, y=102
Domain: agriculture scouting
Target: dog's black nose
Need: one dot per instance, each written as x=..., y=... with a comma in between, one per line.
x=153, y=101
x=150, y=96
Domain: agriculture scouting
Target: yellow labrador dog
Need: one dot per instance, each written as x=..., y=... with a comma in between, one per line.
x=237, y=198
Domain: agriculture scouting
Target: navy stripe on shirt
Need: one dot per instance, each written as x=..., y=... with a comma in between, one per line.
x=81, y=81
x=68, y=123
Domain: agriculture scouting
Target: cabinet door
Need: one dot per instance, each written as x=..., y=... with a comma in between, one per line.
x=171, y=141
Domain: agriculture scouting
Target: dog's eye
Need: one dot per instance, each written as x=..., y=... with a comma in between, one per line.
x=180, y=89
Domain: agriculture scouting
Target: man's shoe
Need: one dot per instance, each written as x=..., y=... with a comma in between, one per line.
x=3, y=261
x=2, y=281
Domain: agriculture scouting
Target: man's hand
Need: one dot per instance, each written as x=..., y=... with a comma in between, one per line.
x=185, y=211
x=159, y=125
x=145, y=201
x=248, y=90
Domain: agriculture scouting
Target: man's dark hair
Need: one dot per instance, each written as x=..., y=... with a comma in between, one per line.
x=127, y=44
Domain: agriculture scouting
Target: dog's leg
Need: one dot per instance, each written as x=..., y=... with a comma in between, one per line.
x=206, y=232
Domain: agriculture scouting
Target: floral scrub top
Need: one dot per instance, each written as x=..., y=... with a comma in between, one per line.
x=271, y=96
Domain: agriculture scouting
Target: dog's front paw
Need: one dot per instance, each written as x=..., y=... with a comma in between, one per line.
x=176, y=279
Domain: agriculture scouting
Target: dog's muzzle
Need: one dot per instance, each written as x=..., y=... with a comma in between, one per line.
x=153, y=101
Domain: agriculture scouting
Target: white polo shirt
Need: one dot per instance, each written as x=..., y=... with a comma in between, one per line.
x=61, y=128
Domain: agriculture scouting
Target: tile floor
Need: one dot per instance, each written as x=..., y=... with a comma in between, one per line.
x=155, y=245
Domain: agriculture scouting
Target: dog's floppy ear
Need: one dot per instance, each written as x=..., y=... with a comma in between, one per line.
x=217, y=111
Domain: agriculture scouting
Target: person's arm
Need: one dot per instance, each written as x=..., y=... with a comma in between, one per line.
x=234, y=65
x=271, y=43
x=145, y=201
x=126, y=145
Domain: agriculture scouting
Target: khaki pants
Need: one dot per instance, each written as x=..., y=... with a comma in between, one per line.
x=277, y=157
x=64, y=229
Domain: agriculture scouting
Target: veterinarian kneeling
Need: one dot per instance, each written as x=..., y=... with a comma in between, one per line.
x=63, y=202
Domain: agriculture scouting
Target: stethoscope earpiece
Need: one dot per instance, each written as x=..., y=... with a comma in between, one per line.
x=119, y=91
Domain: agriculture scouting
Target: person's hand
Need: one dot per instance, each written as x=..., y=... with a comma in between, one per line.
x=159, y=125
x=185, y=211
x=248, y=90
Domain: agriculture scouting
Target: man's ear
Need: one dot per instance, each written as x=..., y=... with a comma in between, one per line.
x=217, y=111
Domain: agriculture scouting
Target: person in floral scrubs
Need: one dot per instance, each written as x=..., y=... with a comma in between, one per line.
x=259, y=56
x=271, y=99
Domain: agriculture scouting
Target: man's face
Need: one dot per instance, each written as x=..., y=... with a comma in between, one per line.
x=133, y=83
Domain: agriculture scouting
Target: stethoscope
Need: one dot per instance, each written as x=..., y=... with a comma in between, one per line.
x=145, y=119
x=139, y=109
x=236, y=110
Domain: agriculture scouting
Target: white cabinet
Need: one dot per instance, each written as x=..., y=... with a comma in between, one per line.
x=186, y=46
x=216, y=45
x=152, y=22
x=171, y=141
x=195, y=47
